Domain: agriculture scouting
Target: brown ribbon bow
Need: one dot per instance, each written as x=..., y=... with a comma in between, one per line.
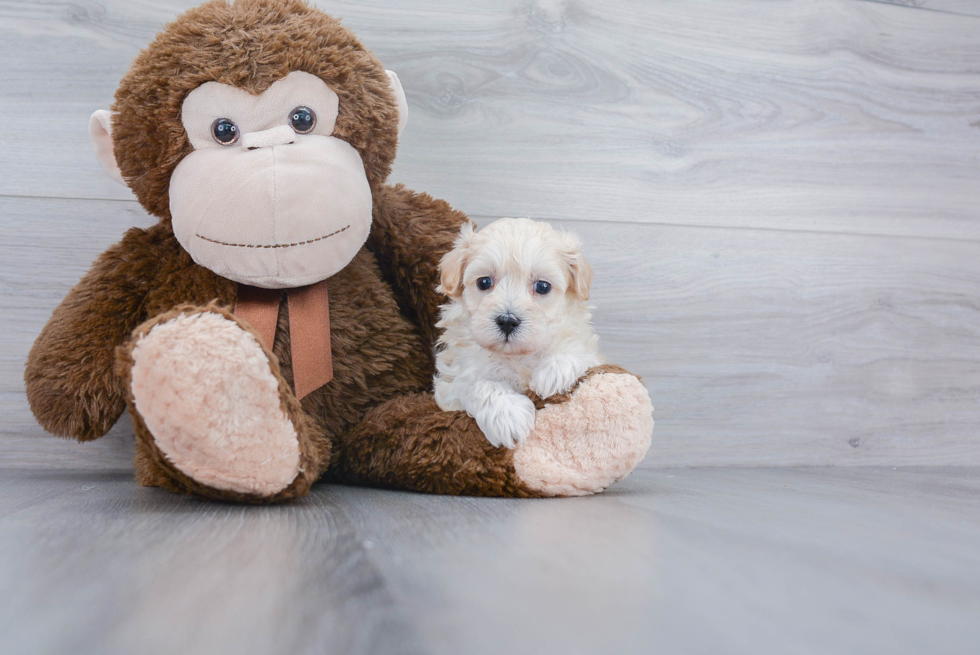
x=309, y=329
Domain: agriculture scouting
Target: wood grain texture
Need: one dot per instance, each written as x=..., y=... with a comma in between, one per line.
x=759, y=347
x=962, y=7
x=691, y=561
x=735, y=561
x=740, y=171
x=780, y=202
x=839, y=115
x=100, y=566
x=767, y=347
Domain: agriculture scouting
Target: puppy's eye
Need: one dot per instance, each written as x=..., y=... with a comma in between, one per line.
x=302, y=120
x=224, y=131
x=541, y=287
x=484, y=283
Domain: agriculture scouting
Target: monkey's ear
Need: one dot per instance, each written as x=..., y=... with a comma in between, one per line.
x=396, y=87
x=100, y=130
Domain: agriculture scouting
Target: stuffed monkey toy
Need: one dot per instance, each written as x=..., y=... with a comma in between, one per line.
x=276, y=325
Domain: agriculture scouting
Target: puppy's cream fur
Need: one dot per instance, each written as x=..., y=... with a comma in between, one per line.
x=484, y=370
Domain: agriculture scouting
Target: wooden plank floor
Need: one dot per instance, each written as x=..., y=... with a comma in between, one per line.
x=781, y=200
x=759, y=347
x=834, y=115
x=832, y=560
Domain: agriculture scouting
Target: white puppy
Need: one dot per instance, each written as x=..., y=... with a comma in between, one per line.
x=516, y=320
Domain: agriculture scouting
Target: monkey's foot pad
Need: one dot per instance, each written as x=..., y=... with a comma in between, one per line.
x=593, y=439
x=205, y=390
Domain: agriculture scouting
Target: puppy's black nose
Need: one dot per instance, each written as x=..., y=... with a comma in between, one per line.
x=507, y=323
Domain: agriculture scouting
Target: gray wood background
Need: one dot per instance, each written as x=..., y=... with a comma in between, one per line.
x=780, y=199
x=829, y=561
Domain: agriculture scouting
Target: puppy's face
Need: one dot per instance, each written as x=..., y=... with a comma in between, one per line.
x=517, y=281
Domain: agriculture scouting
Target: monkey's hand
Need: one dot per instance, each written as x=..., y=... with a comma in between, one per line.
x=71, y=383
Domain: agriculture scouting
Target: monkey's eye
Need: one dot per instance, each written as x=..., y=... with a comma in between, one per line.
x=302, y=120
x=225, y=132
x=484, y=283
x=541, y=287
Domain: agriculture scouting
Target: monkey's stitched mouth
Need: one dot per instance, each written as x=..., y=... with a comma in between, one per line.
x=273, y=245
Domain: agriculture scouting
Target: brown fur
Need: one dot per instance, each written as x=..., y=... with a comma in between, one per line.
x=408, y=443
x=410, y=233
x=374, y=423
x=71, y=386
x=249, y=44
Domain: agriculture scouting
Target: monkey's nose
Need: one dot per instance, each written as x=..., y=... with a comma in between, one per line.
x=277, y=136
x=507, y=323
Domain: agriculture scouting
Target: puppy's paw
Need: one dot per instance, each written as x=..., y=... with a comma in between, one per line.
x=556, y=375
x=507, y=421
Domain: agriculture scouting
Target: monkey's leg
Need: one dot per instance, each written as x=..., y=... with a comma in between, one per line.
x=582, y=442
x=212, y=413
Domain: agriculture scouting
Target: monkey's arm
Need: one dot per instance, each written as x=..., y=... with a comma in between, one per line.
x=72, y=387
x=582, y=442
x=410, y=234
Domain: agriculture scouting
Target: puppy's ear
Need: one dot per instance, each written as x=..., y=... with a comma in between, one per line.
x=453, y=264
x=579, y=271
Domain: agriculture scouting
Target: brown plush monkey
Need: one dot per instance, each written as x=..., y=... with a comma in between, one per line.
x=276, y=325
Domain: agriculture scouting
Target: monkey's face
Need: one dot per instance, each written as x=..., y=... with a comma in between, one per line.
x=258, y=130
x=268, y=197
